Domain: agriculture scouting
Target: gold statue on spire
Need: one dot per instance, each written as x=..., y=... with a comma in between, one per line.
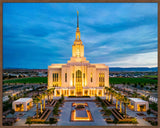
x=77, y=19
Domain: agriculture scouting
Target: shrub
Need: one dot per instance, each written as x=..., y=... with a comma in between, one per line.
x=52, y=120
x=148, y=111
x=108, y=112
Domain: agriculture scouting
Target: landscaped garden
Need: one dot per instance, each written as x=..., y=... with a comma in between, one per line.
x=41, y=117
x=120, y=116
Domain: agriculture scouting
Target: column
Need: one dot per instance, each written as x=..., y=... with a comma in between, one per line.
x=69, y=92
x=61, y=91
x=135, y=106
x=25, y=106
x=102, y=92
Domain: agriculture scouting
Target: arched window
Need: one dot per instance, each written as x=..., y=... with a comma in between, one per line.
x=65, y=77
x=78, y=52
x=91, y=78
x=101, y=79
x=72, y=79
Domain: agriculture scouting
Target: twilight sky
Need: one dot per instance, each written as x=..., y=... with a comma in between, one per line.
x=36, y=35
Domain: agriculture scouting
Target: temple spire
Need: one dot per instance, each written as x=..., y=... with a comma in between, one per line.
x=77, y=19
x=78, y=35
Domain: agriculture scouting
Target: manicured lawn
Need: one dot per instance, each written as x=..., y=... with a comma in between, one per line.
x=28, y=80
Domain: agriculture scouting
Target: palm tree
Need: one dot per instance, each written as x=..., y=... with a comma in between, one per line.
x=116, y=96
x=36, y=101
x=106, y=91
x=52, y=91
x=109, y=94
x=125, y=102
x=112, y=94
x=120, y=98
x=10, y=97
x=106, y=88
x=43, y=96
x=48, y=94
x=29, y=120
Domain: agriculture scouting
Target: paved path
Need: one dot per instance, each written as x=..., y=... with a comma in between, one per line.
x=96, y=115
x=22, y=120
x=141, y=121
x=66, y=113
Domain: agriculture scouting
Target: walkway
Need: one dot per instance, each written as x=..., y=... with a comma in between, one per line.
x=96, y=115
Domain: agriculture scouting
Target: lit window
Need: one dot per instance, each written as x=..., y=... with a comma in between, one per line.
x=73, y=78
x=78, y=52
x=65, y=77
x=91, y=77
x=101, y=79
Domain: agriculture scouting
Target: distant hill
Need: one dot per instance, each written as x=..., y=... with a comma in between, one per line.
x=136, y=69
x=111, y=69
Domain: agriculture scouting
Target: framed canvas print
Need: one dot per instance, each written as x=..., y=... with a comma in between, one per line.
x=79, y=64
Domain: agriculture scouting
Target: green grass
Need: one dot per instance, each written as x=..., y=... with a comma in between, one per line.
x=151, y=76
x=28, y=80
x=131, y=80
x=111, y=80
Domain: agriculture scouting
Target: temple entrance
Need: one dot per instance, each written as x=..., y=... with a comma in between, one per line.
x=78, y=83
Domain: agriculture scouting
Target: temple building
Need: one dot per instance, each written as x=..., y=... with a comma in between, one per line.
x=78, y=77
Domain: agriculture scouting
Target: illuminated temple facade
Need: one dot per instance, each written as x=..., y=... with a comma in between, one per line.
x=78, y=77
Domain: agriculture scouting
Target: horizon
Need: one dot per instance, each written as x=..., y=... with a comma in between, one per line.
x=35, y=35
x=47, y=68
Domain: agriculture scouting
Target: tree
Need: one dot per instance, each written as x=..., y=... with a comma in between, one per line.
x=36, y=101
x=29, y=121
x=52, y=91
x=44, y=102
x=10, y=98
x=135, y=85
x=117, y=96
x=112, y=94
x=125, y=102
x=48, y=94
x=147, y=98
x=52, y=120
x=62, y=97
x=120, y=98
x=107, y=92
x=33, y=88
x=40, y=99
x=148, y=111
x=142, y=85
x=12, y=112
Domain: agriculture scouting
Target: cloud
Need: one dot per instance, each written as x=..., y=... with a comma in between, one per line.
x=137, y=60
x=109, y=33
